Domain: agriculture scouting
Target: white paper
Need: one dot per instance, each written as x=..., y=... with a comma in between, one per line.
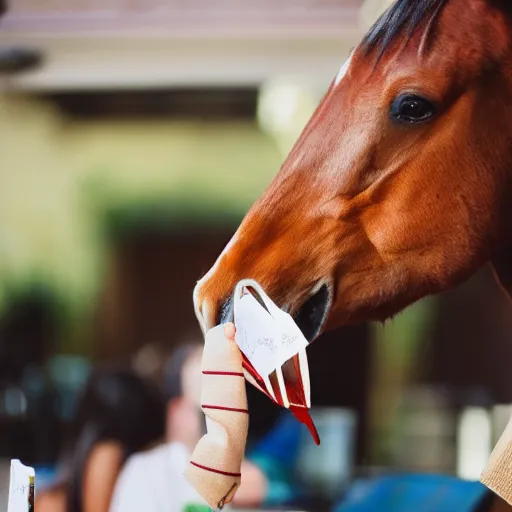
x=267, y=340
x=21, y=481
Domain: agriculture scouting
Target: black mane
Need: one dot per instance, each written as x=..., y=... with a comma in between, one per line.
x=402, y=17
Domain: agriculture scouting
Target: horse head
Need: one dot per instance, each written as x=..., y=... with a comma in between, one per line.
x=399, y=185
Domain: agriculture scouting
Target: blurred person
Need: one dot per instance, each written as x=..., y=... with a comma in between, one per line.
x=154, y=480
x=119, y=414
x=277, y=454
x=149, y=361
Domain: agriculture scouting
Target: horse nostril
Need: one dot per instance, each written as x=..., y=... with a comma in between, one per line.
x=312, y=314
x=226, y=313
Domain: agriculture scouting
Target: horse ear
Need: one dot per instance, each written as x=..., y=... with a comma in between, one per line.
x=502, y=265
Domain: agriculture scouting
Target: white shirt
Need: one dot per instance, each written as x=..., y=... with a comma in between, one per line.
x=153, y=481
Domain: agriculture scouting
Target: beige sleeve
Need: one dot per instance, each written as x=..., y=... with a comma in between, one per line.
x=498, y=473
x=215, y=465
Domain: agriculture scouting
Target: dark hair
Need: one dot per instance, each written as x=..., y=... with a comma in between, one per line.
x=117, y=406
x=172, y=376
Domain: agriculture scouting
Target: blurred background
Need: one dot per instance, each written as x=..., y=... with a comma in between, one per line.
x=134, y=135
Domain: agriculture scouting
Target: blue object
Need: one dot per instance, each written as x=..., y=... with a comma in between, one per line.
x=46, y=476
x=418, y=493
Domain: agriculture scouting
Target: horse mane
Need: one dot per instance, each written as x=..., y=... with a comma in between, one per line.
x=404, y=16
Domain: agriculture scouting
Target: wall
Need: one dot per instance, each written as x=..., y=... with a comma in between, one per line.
x=60, y=176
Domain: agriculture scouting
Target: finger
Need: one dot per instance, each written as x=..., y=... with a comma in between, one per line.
x=229, y=330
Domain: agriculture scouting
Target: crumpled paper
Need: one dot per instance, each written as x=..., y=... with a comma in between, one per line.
x=274, y=351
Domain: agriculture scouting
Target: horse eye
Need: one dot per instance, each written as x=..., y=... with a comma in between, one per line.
x=411, y=109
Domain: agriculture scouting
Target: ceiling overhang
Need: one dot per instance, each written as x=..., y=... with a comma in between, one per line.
x=192, y=43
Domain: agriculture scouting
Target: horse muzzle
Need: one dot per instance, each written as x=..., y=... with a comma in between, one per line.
x=311, y=315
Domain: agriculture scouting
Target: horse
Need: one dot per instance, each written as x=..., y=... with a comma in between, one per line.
x=400, y=185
